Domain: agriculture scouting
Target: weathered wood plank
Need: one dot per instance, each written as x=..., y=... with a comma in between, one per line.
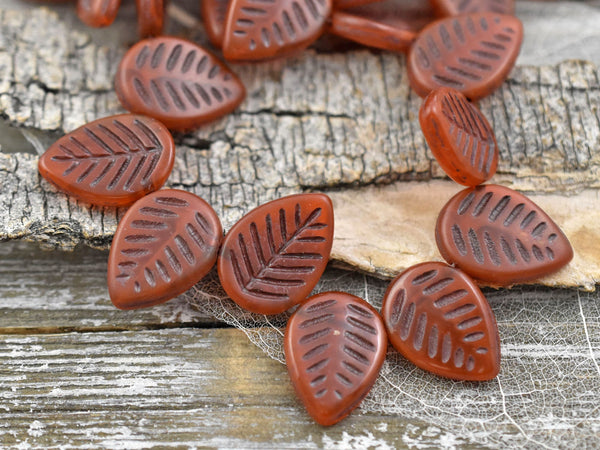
x=53, y=292
x=42, y=291
x=170, y=388
x=558, y=30
x=212, y=387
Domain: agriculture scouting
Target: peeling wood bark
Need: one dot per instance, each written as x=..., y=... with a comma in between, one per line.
x=404, y=217
x=314, y=122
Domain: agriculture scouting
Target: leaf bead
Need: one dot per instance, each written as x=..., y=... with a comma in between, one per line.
x=112, y=161
x=213, y=17
x=98, y=13
x=275, y=255
x=164, y=244
x=459, y=136
x=150, y=17
x=389, y=24
x=272, y=29
x=177, y=82
x=472, y=53
x=499, y=236
x=438, y=319
x=335, y=345
x=455, y=7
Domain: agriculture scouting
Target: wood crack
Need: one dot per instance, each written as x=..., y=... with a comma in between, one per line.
x=292, y=134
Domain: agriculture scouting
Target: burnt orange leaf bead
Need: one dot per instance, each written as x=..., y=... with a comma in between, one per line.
x=213, y=15
x=471, y=53
x=176, y=82
x=97, y=13
x=389, y=25
x=335, y=345
x=266, y=30
x=456, y=7
x=459, y=136
x=439, y=320
x=499, y=236
x=275, y=255
x=150, y=17
x=165, y=243
x=368, y=32
x=112, y=161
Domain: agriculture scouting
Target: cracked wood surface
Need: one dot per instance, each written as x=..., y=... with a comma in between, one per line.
x=75, y=372
x=315, y=122
x=212, y=389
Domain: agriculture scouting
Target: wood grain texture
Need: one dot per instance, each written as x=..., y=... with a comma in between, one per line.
x=104, y=378
x=283, y=139
x=50, y=292
x=213, y=389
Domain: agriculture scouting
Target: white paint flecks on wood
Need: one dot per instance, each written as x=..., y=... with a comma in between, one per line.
x=183, y=388
x=188, y=386
x=53, y=292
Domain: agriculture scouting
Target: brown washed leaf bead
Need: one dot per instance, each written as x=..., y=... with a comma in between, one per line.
x=275, y=255
x=112, y=161
x=165, y=243
x=213, y=16
x=267, y=30
x=499, y=236
x=439, y=320
x=150, y=17
x=176, y=82
x=389, y=25
x=335, y=345
x=471, y=53
x=459, y=136
x=97, y=13
x=455, y=7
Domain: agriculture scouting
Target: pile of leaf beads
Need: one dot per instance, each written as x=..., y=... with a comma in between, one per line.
x=335, y=343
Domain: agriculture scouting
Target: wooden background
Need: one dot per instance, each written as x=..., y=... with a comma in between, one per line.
x=75, y=372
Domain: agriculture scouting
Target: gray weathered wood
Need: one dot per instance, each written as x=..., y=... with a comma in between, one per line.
x=167, y=388
x=53, y=292
x=312, y=122
x=141, y=384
